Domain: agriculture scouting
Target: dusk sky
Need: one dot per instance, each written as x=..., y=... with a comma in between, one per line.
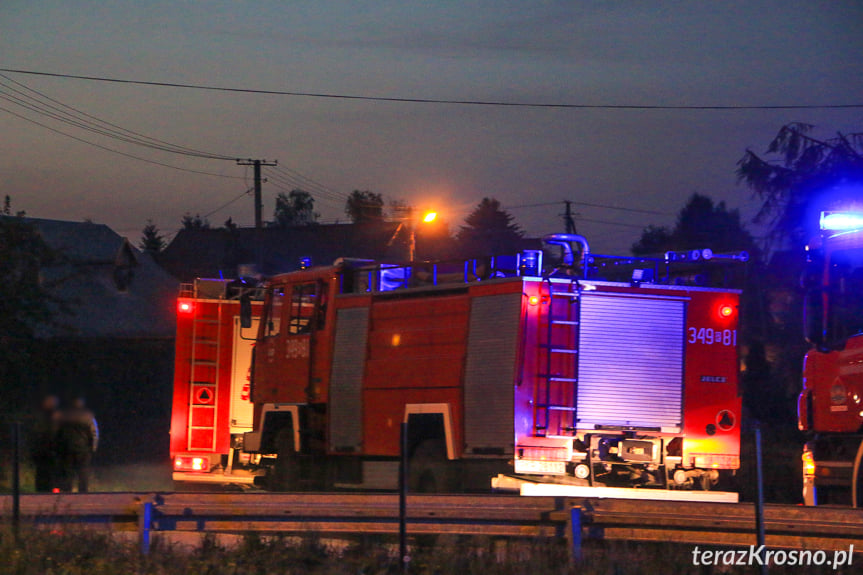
x=446, y=156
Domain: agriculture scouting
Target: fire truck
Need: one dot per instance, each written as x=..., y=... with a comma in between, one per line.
x=591, y=370
x=830, y=407
x=212, y=407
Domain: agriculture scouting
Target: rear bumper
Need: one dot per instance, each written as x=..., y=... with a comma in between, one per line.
x=214, y=478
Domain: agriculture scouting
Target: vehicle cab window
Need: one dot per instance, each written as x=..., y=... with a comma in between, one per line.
x=274, y=312
x=845, y=316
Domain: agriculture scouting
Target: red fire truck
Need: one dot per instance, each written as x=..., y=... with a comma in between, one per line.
x=212, y=408
x=830, y=406
x=498, y=365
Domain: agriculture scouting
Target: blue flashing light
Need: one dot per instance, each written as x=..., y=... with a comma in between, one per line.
x=841, y=221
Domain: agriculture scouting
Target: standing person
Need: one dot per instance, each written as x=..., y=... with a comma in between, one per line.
x=77, y=440
x=44, y=445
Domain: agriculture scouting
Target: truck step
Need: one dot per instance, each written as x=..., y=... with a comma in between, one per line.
x=563, y=322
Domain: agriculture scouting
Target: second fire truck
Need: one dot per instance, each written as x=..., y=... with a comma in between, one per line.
x=830, y=406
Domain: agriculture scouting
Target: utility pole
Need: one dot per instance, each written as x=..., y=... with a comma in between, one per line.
x=259, y=225
x=568, y=220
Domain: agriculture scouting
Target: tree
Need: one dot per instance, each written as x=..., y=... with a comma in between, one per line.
x=152, y=241
x=195, y=222
x=365, y=206
x=801, y=176
x=700, y=224
x=654, y=240
x=24, y=300
x=489, y=230
x=7, y=208
x=25, y=304
x=295, y=209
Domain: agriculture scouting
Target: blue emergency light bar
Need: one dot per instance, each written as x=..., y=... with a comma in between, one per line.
x=841, y=221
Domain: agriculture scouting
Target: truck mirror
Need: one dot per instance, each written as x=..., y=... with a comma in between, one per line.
x=813, y=317
x=246, y=310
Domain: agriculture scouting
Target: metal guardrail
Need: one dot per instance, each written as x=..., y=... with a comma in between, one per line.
x=578, y=519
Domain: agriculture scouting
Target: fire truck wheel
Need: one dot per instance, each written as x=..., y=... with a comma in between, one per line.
x=283, y=474
x=429, y=471
x=708, y=480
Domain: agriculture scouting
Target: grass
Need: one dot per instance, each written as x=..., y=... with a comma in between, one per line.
x=61, y=550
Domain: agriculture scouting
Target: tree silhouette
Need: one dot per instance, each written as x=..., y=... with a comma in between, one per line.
x=800, y=176
x=364, y=206
x=489, y=230
x=7, y=208
x=24, y=299
x=152, y=241
x=195, y=222
x=295, y=209
x=700, y=224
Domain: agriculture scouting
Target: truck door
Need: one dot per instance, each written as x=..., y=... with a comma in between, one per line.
x=284, y=362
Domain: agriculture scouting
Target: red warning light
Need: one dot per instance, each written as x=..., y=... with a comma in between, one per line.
x=725, y=311
x=184, y=307
x=533, y=300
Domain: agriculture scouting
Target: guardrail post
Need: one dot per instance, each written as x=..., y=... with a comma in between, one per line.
x=759, y=502
x=16, y=479
x=575, y=534
x=145, y=519
x=403, y=493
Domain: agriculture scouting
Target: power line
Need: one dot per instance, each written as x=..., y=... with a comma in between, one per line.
x=107, y=149
x=226, y=204
x=590, y=205
x=78, y=118
x=441, y=101
x=606, y=222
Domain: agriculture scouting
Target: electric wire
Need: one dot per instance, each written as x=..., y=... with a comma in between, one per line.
x=461, y=102
x=112, y=150
x=608, y=223
x=588, y=204
x=78, y=118
x=226, y=204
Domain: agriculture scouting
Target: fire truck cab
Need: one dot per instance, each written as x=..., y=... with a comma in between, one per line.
x=830, y=407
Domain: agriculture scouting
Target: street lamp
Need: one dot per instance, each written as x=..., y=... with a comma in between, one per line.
x=409, y=223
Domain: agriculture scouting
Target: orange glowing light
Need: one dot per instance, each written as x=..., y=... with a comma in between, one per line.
x=533, y=300
x=725, y=310
x=184, y=307
x=808, y=464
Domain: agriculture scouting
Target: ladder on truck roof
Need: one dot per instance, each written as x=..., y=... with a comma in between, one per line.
x=557, y=379
x=204, y=378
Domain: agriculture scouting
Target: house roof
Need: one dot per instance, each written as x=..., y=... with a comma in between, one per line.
x=110, y=288
x=219, y=252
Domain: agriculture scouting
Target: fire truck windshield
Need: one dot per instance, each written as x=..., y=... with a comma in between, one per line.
x=845, y=296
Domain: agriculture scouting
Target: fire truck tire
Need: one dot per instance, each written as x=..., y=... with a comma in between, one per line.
x=282, y=475
x=429, y=471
